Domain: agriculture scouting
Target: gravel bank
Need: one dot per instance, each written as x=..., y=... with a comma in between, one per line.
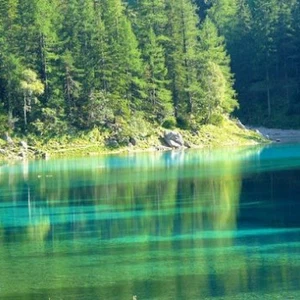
x=280, y=135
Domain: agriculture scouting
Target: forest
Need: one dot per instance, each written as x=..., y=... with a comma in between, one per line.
x=69, y=66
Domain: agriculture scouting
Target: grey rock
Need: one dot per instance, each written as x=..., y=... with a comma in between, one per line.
x=122, y=140
x=162, y=148
x=133, y=141
x=112, y=143
x=173, y=139
x=8, y=139
x=258, y=132
x=22, y=154
x=45, y=155
x=240, y=124
x=187, y=144
x=24, y=145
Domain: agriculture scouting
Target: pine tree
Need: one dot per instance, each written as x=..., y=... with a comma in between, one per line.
x=71, y=64
x=181, y=55
x=224, y=13
x=264, y=27
x=285, y=39
x=45, y=16
x=150, y=26
x=124, y=65
x=218, y=95
x=31, y=86
x=238, y=47
x=10, y=64
x=159, y=96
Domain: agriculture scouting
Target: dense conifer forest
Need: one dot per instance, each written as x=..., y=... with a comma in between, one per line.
x=262, y=38
x=74, y=65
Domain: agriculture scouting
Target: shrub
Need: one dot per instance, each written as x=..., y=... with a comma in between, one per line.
x=183, y=122
x=169, y=123
x=216, y=119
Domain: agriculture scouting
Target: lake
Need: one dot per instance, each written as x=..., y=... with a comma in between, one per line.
x=197, y=224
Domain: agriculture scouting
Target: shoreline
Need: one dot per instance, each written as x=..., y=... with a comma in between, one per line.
x=279, y=135
x=208, y=136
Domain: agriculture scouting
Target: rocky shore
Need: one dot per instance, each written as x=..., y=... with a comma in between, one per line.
x=280, y=135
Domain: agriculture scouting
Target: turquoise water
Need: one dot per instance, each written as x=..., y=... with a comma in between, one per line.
x=210, y=224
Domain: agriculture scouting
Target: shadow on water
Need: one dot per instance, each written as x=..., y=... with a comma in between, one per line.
x=176, y=225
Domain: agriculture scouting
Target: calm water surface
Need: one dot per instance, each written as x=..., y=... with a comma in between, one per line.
x=222, y=224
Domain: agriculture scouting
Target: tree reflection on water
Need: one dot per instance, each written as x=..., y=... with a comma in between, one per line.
x=159, y=225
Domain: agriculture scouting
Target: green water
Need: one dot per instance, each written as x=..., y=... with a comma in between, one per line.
x=222, y=224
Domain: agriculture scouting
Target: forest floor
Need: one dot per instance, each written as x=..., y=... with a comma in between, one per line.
x=280, y=135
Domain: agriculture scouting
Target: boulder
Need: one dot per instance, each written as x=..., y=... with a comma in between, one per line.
x=258, y=132
x=173, y=139
x=187, y=144
x=122, y=140
x=113, y=143
x=8, y=139
x=24, y=145
x=240, y=124
x=45, y=155
x=133, y=141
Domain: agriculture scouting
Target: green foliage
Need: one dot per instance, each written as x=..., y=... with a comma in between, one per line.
x=49, y=124
x=183, y=122
x=169, y=123
x=4, y=126
x=262, y=38
x=31, y=87
x=87, y=64
x=182, y=59
x=30, y=84
x=216, y=119
x=135, y=126
x=97, y=111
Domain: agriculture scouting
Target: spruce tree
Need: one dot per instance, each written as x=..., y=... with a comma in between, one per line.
x=218, y=95
x=10, y=64
x=181, y=55
x=159, y=96
x=150, y=30
x=124, y=64
x=224, y=13
x=264, y=28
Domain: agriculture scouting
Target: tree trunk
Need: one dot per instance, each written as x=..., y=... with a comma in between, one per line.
x=44, y=64
x=268, y=91
x=25, y=109
x=287, y=92
x=186, y=64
